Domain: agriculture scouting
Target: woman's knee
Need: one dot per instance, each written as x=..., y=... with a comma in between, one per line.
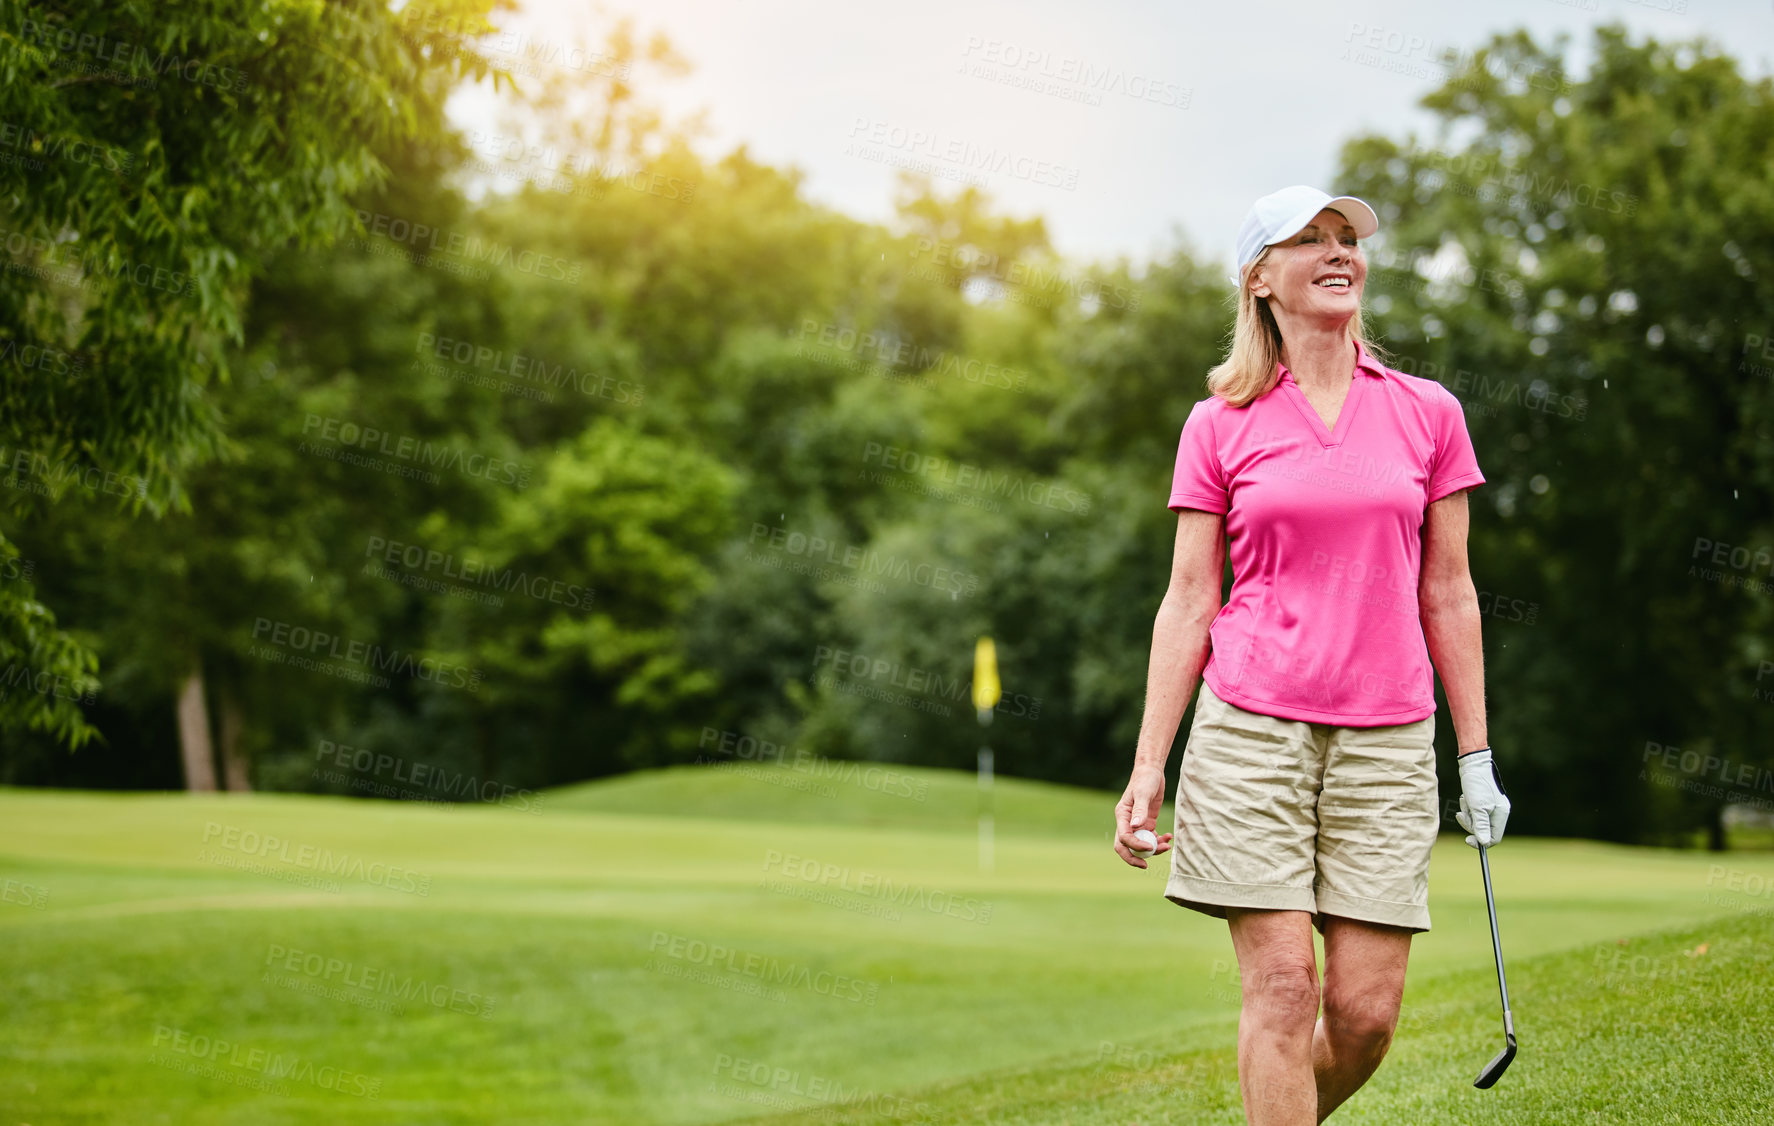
x=1277, y=965
x=1286, y=988
x=1364, y=1020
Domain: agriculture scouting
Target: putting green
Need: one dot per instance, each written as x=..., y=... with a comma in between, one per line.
x=629, y=955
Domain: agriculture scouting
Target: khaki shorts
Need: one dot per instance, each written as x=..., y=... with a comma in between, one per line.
x=1289, y=815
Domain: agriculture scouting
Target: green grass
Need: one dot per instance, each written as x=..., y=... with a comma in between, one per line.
x=827, y=792
x=548, y=941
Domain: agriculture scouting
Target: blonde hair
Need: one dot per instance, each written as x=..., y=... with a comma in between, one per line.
x=1251, y=366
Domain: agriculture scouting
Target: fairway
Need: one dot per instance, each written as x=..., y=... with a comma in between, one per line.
x=696, y=945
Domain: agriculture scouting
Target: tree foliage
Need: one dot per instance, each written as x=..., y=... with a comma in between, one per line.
x=1587, y=270
x=773, y=469
x=158, y=156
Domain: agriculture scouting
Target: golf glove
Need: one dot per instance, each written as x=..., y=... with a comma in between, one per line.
x=1484, y=804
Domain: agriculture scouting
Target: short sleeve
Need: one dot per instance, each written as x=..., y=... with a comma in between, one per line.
x=1199, y=481
x=1454, y=465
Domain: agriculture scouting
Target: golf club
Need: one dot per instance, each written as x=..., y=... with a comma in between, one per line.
x=1494, y=1070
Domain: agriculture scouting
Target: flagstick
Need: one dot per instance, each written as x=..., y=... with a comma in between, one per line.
x=985, y=804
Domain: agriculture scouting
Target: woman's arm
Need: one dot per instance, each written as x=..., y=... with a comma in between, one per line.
x=1448, y=607
x=1179, y=634
x=1180, y=648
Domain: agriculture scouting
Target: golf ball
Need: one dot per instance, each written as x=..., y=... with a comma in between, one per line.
x=1148, y=839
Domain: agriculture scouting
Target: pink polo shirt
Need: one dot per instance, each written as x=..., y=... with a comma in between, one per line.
x=1326, y=542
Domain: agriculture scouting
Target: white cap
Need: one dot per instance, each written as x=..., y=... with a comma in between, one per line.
x=1283, y=214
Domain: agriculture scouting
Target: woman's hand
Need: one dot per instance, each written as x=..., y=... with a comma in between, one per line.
x=1138, y=809
x=1484, y=804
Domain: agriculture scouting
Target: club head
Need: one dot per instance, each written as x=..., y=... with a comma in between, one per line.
x=1494, y=1070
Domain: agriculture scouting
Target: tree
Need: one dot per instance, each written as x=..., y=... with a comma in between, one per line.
x=1585, y=271
x=162, y=156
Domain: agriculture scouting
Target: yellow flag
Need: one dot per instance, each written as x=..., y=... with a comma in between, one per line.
x=985, y=676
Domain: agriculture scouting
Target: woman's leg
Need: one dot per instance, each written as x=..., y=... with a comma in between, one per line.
x=1363, y=983
x=1278, y=968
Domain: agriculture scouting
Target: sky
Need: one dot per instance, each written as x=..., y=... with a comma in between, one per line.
x=1132, y=126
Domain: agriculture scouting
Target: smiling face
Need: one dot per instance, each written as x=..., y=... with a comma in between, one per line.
x=1317, y=273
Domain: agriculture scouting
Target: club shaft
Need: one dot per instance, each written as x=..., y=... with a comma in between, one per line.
x=1490, y=901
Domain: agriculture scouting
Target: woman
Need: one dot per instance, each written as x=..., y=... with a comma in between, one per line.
x=1307, y=792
